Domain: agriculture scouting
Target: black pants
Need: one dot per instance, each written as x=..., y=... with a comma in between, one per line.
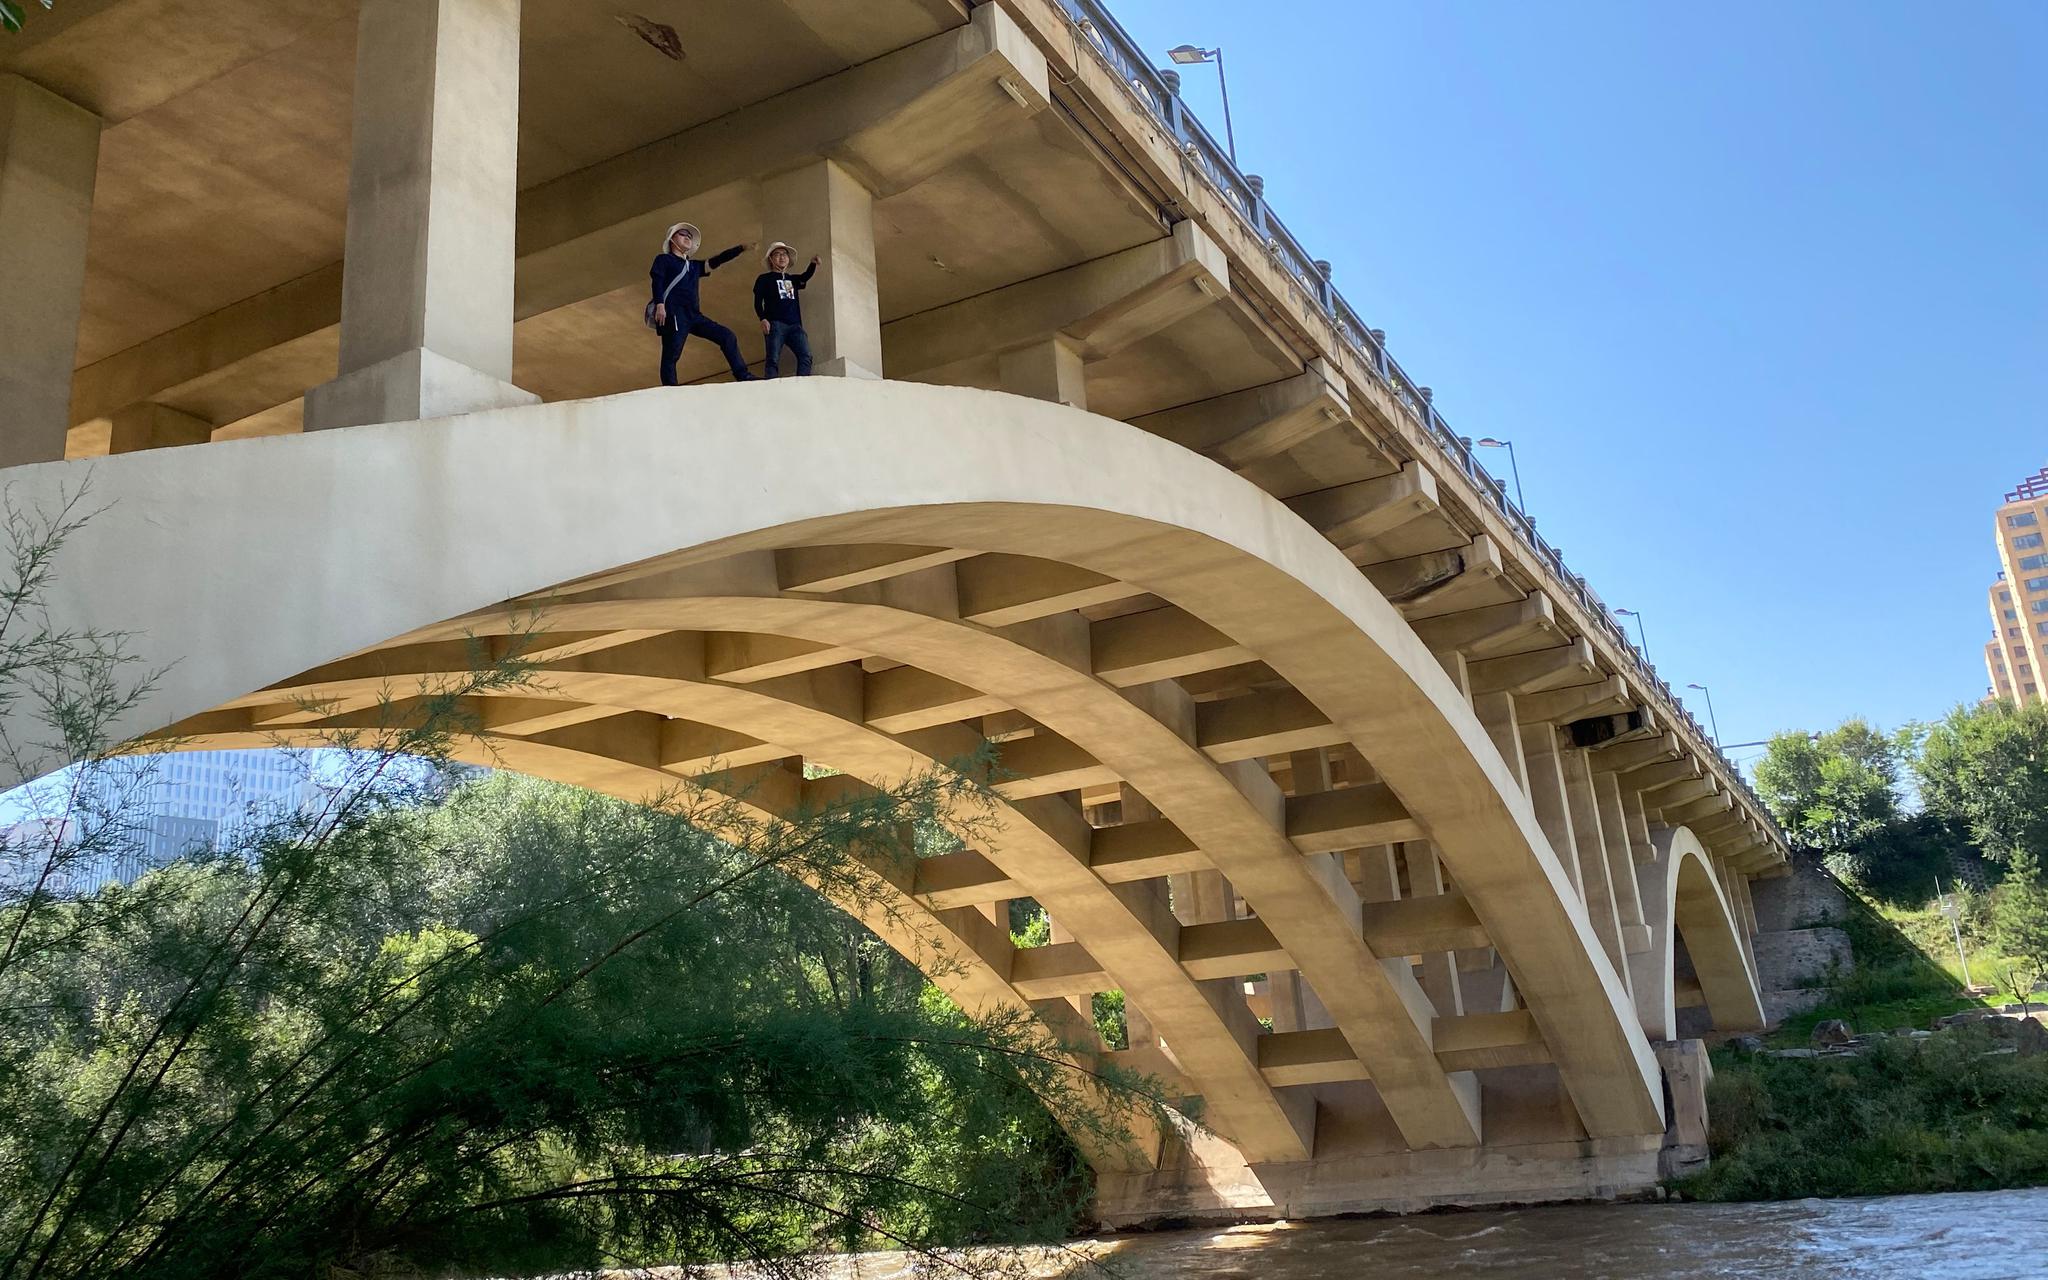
x=681, y=329
x=796, y=339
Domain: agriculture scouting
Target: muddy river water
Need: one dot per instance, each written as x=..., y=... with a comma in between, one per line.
x=1976, y=1236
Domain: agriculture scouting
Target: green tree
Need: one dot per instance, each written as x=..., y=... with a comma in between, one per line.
x=1834, y=790
x=2020, y=926
x=1985, y=770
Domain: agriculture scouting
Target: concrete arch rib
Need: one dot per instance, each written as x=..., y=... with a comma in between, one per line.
x=962, y=953
x=1042, y=844
x=595, y=485
x=1232, y=813
x=1680, y=886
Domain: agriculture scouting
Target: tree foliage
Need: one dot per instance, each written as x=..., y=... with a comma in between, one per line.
x=1985, y=768
x=1832, y=790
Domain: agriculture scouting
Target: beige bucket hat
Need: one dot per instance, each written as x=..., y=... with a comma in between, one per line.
x=690, y=227
x=779, y=244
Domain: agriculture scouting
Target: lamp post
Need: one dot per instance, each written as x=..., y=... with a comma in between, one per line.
x=1712, y=719
x=1490, y=443
x=1188, y=55
x=1641, y=641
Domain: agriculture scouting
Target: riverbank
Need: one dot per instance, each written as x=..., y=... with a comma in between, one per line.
x=1913, y=1105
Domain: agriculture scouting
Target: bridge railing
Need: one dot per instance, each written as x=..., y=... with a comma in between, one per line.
x=1245, y=195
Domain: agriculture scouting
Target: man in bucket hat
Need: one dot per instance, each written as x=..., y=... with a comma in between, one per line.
x=675, y=312
x=780, y=311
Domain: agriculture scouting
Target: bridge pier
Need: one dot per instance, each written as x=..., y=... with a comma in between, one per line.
x=426, y=296
x=49, y=150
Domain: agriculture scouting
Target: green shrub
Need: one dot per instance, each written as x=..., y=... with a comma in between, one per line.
x=1944, y=1114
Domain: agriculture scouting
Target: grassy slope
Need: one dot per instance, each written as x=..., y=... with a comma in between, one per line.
x=1945, y=1114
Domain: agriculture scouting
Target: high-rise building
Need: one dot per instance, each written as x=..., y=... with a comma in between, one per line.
x=2019, y=599
x=168, y=805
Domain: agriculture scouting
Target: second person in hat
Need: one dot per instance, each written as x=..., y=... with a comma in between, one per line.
x=780, y=311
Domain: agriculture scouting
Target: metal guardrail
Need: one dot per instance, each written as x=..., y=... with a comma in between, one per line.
x=1245, y=195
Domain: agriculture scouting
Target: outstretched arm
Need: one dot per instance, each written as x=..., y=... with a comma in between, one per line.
x=725, y=257
x=809, y=271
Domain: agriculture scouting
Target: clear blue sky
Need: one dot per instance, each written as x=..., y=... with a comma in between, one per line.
x=1760, y=292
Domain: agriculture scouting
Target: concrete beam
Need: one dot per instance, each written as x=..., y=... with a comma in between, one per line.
x=1444, y=582
x=1562, y=706
x=155, y=426
x=1098, y=307
x=1563, y=667
x=1368, y=509
x=1492, y=631
x=1241, y=428
x=1624, y=756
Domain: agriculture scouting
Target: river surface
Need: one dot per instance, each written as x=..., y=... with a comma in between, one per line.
x=1997, y=1235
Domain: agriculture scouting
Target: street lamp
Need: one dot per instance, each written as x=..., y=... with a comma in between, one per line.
x=1188, y=55
x=1490, y=443
x=1641, y=641
x=1712, y=719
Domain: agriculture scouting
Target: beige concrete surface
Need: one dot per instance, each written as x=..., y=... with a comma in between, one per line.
x=504, y=520
x=49, y=150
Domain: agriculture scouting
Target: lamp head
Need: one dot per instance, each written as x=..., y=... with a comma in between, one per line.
x=1490, y=443
x=1702, y=688
x=1188, y=54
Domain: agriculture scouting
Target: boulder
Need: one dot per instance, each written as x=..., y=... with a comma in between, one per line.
x=1747, y=1044
x=1831, y=1032
x=2029, y=1036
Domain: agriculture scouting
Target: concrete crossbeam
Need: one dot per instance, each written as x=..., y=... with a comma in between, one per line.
x=1098, y=308
x=1243, y=427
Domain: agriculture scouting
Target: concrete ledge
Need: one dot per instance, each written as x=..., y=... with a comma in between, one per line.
x=1407, y=1182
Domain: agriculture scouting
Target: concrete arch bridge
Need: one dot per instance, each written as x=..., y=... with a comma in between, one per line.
x=1232, y=755
x=1406, y=861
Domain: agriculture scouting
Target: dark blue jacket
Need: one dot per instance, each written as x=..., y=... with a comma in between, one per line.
x=682, y=299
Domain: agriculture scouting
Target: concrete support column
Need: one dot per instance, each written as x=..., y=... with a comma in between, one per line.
x=1595, y=882
x=154, y=426
x=1436, y=971
x=426, y=300
x=820, y=209
x=49, y=156
x=1138, y=1030
x=1050, y=369
x=1543, y=758
x=1496, y=712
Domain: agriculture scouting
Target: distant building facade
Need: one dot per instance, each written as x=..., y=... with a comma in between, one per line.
x=169, y=805
x=2018, y=600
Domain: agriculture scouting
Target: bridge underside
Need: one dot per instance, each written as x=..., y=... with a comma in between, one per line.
x=1365, y=895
